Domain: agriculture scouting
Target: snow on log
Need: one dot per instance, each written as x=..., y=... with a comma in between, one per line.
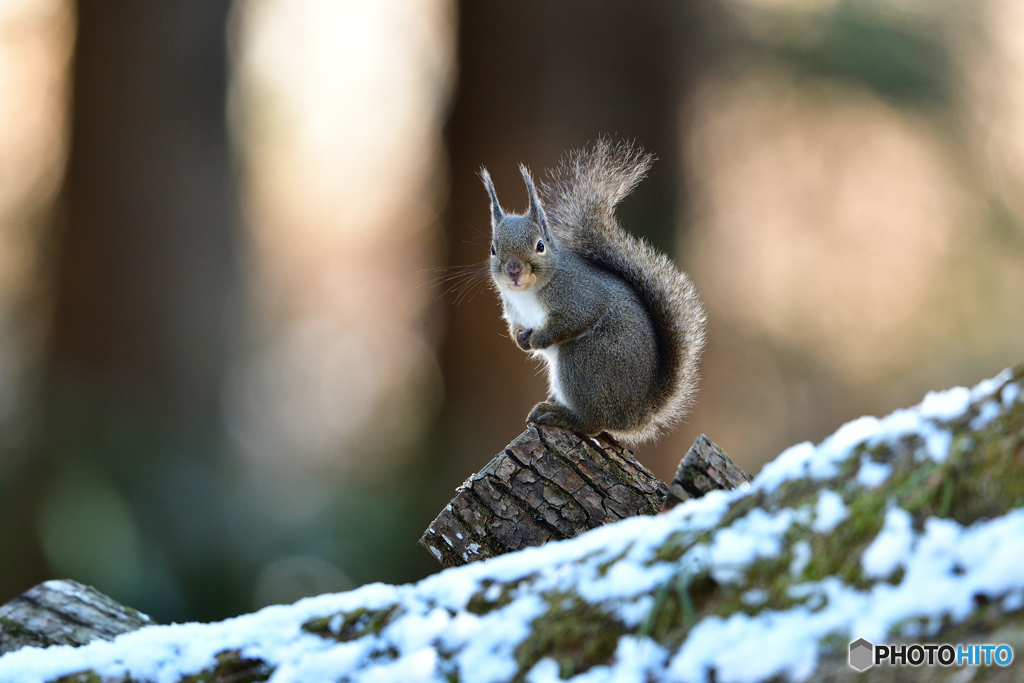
x=905, y=529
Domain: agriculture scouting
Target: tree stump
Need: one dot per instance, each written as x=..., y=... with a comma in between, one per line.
x=64, y=613
x=704, y=468
x=548, y=484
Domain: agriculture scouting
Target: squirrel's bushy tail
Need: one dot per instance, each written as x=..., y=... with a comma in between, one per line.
x=580, y=198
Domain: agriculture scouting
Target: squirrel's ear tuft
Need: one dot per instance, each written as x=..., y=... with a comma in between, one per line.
x=496, y=213
x=536, y=211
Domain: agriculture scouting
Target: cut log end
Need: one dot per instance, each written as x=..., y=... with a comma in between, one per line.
x=704, y=468
x=548, y=484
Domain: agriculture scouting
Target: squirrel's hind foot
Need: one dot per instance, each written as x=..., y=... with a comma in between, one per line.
x=552, y=414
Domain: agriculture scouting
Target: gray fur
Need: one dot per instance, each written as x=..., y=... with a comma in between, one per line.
x=622, y=327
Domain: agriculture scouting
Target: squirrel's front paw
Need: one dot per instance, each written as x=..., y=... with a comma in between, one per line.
x=547, y=413
x=523, y=338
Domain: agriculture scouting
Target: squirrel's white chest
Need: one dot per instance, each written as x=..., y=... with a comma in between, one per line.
x=524, y=308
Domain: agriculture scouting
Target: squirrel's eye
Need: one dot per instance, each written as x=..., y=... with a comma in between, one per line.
x=493, y=253
x=540, y=246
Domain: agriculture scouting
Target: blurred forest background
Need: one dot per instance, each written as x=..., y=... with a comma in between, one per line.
x=226, y=378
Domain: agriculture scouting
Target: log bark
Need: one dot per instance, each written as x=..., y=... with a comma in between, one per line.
x=704, y=468
x=64, y=613
x=548, y=484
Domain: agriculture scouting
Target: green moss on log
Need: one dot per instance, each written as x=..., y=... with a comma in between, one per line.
x=981, y=478
x=346, y=626
x=231, y=667
x=575, y=633
x=481, y=602
x=14, y=628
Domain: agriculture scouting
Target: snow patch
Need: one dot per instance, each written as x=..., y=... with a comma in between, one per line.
x=945, y=405
x=890, y=548
x=828, y=512
x=756, y=535
x=790, y=464
x=987, y=387
x=1010, y=394
x=989, y=411
x=924, y=421
x=872, y=474
x=801, y=552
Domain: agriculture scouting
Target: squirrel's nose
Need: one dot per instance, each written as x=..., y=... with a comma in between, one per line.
x=514, y=268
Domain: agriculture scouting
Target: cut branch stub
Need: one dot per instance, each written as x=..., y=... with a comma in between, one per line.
x=704, y=468
x=548, y=484
x=64, y=613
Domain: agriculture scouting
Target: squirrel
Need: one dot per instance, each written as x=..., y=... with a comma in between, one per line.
x=620, y=327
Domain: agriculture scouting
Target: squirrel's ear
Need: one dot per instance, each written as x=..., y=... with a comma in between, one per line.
x=496, y=213
x=536, y=211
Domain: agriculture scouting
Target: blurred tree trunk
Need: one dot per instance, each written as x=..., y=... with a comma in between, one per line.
x=145, y=256
x=144, y=275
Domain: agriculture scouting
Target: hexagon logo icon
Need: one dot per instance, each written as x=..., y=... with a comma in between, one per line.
x=862, y=654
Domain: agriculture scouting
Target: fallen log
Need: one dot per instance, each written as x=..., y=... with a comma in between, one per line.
x=548, y=484
x=654, y=599
x=64, y=613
